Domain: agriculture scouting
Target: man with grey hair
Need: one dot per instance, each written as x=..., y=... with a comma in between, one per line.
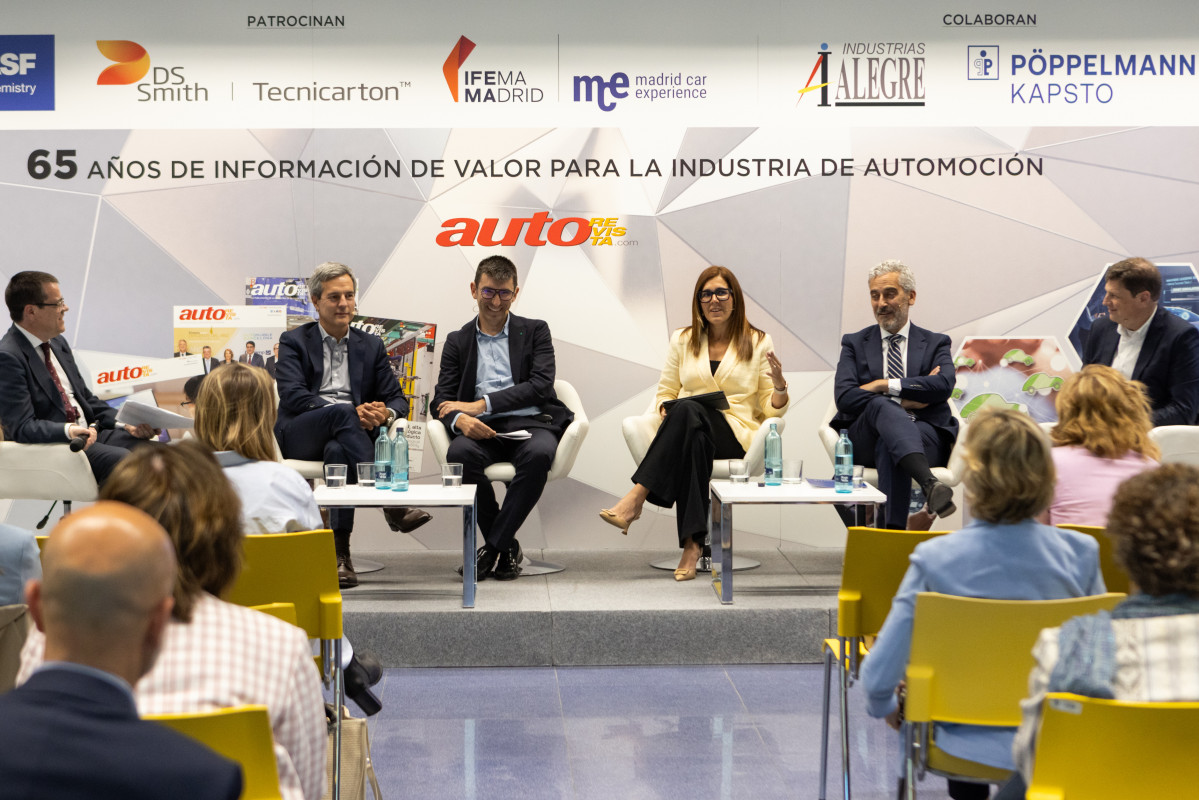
x=72, y=730
x=336, y=390
x=892, y=389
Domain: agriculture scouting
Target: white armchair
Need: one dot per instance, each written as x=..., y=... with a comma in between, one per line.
x=45, y=472
x=1179, y=443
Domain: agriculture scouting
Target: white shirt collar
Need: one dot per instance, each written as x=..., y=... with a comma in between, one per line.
x=326, y=335
x=1139, y=334
x=34, y=340
x=904, y=331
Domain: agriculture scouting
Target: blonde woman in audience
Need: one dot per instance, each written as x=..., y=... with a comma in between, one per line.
x=235, y=417
x=1004, y=554
x=216, y=654
x=1101, y=438
x=1144, y=650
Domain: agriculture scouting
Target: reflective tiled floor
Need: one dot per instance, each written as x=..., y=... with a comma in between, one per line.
x=620, y=732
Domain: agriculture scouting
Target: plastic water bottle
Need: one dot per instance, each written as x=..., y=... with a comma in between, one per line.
x=382, y=460
x=774, y=456
x=843, y=464
x=399, y=461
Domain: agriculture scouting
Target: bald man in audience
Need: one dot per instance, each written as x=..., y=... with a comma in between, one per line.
x=72, y=731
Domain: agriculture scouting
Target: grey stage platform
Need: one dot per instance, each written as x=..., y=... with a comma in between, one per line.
x=608, y=607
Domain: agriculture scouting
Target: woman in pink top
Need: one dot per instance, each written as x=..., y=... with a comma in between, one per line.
x=1101, y=438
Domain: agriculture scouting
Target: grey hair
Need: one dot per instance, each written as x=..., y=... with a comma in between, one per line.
x=906, y=279
x=327, y=272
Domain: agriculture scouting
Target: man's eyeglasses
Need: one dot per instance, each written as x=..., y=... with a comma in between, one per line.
x=57, y=304
x=720, y=294
x=487, y=293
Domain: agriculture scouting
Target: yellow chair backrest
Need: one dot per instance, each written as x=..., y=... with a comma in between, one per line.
x=1114, y=576
x=971, y=657
x=297, y=568
x=1109, y=750
x=242, y=734
x=41, y=542
x=875, y=562
x=283, y=611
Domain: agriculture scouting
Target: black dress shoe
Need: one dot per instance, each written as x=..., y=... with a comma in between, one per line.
x=405, y=520
x=358, y=688
x=347, y=578
x=507, y=568
x=371, y=665
x=940, y=499
x=485, y=560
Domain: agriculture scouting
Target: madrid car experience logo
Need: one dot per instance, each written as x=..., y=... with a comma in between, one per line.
x=166, y=85
x=485, y=85
x=27, y=73
x=870, y=74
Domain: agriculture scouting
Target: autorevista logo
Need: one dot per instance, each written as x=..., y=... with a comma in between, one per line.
x=485, y=85
x=124, y=374
x=876, y=74
x=26, y=73
x=167, y=84
x=538, y=230
x=209, y=314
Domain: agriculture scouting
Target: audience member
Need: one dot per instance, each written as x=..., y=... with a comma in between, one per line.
x=20, y=560
x=43, y=397
x=1144, y=650
x=215, y=654
x=1101, y=438
x=719, y=351
x=1002, y=554
x=1147, y=343
x=892, y=391
x=72, y=730
x=497, y=377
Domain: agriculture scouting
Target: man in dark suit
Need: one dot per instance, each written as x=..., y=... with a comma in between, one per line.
x=250, y=357
x=272, y=360
x=72, y=730
x=43, y=397
x=335, y=391
x=892, y=389
x=1146, y=343
x=210, y=363
x=182, y=349
x=497, y=377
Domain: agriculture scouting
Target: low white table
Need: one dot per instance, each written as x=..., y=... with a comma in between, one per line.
x=725, y=494
x=417, y=496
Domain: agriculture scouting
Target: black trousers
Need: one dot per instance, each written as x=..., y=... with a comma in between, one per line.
x=331, y=434
x=678, y=465
x=109, y=448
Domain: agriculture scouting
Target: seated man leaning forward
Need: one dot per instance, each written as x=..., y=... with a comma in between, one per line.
x=497, y=377
x=892, y=390
x=336, y=389
x=43, y=397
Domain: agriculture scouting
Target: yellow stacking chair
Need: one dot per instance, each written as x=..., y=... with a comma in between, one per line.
x=283, y=611
x=242, y=734
x=1094, y=749
x=300, y=569
x=1114, y=576
x=969, y=664
x=875, y=562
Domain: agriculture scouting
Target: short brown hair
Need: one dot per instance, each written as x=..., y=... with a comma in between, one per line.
x=499, y=268
x=1154, y=524
x=25, y=288
x=184, y=488
x=1009, y=467
x=1101, y=410
x=235, y=410
x=1136, y=275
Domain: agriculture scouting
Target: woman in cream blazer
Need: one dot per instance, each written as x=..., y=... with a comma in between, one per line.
x=719, y=351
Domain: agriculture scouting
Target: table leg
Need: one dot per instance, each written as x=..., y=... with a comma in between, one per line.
x=722, y=551
x=468, y=556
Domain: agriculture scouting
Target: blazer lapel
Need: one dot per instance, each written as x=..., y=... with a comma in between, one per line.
x=1152, y=335
x=917, y=347
x=470, y=363
x=516, y=347
x=356, y=353
x=873, y=345
x=37, y=366
x=316, y=353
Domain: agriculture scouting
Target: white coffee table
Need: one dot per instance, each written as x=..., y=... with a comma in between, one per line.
x=726, y=494
x=417, y=496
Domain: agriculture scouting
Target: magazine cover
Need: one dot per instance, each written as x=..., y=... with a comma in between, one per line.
x=222, y=334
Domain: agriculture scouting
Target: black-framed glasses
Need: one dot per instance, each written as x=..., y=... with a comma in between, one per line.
x=721, y=294
x=60, y=303
x=187, y=402
x=487, y=293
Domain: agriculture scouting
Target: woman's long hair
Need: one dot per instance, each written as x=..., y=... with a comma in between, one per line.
x=1101, y=410
x=742, y=335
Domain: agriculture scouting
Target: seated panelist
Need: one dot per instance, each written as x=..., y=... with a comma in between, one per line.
x=719, y=351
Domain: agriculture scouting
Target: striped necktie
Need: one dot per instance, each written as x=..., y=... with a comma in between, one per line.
x=894, y=356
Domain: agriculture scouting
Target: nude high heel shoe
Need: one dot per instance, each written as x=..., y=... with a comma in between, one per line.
x=618, y=522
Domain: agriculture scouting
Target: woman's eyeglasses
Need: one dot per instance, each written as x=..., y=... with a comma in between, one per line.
x=721, y=294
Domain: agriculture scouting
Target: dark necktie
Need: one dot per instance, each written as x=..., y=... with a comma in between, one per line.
x=72, y=414
x=894, y=356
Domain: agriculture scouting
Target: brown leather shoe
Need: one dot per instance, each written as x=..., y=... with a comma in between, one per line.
x=405, y=520
x=347, y=578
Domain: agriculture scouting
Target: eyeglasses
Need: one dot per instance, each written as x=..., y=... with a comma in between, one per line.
x=58, y=304
x=187, y=402
x=721, y=294
x=487, y=293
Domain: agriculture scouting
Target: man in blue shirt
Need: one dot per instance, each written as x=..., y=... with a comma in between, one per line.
x=497, y=382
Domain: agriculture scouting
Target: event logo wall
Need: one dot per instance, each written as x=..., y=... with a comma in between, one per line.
x=539, y=230
x=166, y=85
x=870, y=74
x=26, y=73
x=645, y=88
x=485, y=85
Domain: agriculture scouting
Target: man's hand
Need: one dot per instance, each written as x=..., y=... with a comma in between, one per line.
x=472, y=408
x=895, y=718
x=881, y=386
x=472, y=428
x=143, y=431
x=912, y=405
x=372, y=415
x=79, y=431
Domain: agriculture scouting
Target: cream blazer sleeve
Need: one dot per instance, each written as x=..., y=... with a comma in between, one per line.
x=746, y=384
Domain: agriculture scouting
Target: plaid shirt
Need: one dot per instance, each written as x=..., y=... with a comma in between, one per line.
x=233, y=656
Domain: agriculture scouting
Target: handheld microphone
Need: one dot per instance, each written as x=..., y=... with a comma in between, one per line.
x=46, y=518
x=78, y=443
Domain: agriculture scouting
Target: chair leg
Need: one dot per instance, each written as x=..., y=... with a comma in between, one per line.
x=909, y=762
x=339, y=698
x=844, y=670
x=828, y=671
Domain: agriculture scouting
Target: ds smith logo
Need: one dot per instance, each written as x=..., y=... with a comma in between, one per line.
x=485, y=85
x=26, y=73
x=539, y=230
x=209, y=314
x=870, y=74
x=124, y=374
x=166, y=85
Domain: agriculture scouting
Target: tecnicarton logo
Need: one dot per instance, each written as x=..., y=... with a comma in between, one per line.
x=133, y=62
